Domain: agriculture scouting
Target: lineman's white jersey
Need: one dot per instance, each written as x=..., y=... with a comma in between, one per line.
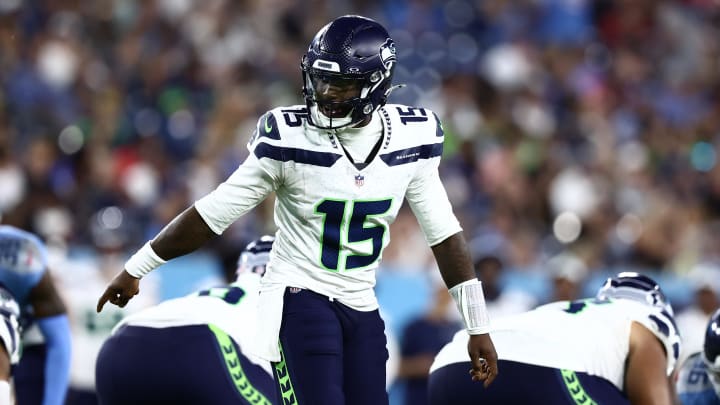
x=233, y=309
x=333, y=218
x=588, y=336
x=9, y=326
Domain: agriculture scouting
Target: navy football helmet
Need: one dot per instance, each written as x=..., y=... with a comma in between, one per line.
x=711, y=350
x=636, y=287
x=347, y=72
x=255, y=256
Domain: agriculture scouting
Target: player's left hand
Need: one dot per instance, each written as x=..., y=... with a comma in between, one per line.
x=121, y=289
x=483, y=358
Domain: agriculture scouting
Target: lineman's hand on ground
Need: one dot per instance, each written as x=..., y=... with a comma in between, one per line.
x=483, y=358
x=121, y=289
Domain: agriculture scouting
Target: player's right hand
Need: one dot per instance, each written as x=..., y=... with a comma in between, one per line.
x=121, y=289
x=483, y=358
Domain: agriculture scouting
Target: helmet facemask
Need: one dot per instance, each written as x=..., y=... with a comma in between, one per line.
x=337, y=101
x=713, y=372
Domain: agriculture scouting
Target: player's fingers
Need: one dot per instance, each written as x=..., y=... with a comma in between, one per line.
x=103, y=299
x=492, y=370
x=478, y=363
x=122, y=301
x=479, y=368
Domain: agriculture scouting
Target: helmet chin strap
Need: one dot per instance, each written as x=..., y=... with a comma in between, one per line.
x=325, y=121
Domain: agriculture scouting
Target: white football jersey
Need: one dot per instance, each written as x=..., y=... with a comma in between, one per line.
x=9, y=325
x=589, y=336
x=333, y=218
x=231, y=308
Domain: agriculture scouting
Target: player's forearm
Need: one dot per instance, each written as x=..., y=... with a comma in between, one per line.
x=56, y=331
x=453, y=259
x=455, y=265
x=184, y=234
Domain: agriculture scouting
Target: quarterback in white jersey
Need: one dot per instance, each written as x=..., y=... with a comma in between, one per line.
x=341, y=166
x=192, y=349
x=600, y=350
x=333, y=214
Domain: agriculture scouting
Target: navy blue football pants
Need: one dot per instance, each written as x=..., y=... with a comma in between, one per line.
x=331, y=354
x=29, y=375
x=521, y=384
x=195, y=364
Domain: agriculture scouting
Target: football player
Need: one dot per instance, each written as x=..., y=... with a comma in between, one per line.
x=619, y=347
x=42, y=374
x=341, y=166
x=192, y=350
x=698, y=381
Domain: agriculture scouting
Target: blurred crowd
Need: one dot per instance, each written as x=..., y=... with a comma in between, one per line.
x=576, y=129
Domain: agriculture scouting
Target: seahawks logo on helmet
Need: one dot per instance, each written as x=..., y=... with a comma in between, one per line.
x=387, y=53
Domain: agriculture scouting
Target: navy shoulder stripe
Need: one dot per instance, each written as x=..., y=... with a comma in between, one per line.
x=281, y=154
x=410, y=155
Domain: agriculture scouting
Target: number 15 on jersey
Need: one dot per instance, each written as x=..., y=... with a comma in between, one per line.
x=340, y=229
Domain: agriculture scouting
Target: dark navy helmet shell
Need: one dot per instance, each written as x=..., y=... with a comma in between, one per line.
x=255, y=256
x=637, y=287
x=711, y=350
x=356, y=55
x=711, y=347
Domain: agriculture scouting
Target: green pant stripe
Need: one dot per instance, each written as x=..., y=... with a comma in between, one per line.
x=575, y=389
x=282, y=377
x=232, y=362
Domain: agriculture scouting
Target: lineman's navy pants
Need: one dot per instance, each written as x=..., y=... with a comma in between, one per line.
x=521, y=384
x=183, y=365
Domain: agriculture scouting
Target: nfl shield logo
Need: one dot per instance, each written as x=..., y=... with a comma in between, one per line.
x=359, y=180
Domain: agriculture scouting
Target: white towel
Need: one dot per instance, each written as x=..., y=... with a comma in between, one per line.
x=267, y=334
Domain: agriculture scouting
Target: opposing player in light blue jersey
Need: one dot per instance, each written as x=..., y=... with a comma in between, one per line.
x=192, y=350
x=619, y=347
x=341, y=166
x=698, y=381
x=42, y=375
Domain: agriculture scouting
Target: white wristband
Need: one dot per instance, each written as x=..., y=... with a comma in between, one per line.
x=470, y=301
x=5, y=396
x=143, y=261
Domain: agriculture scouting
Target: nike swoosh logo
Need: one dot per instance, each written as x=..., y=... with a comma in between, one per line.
x=268, y=128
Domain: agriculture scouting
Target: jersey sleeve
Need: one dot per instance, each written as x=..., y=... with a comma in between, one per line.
x=250, y=184
x=427, y=196
x=663, y=326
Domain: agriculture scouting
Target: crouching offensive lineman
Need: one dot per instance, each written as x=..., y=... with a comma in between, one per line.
x=189, y=350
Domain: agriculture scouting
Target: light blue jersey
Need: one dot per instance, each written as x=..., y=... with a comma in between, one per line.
x=693, y=384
